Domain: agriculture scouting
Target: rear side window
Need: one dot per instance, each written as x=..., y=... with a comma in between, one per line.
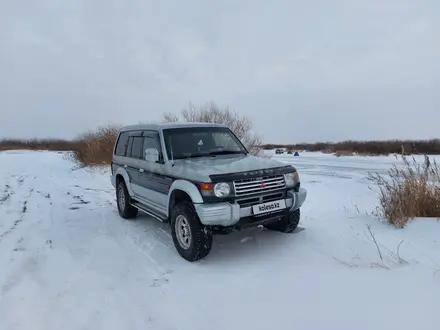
x=122, y=144
x=130, y=144
x=137, y=147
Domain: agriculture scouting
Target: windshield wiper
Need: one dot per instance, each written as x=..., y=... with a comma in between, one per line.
x=212, y=153
x=225, y=152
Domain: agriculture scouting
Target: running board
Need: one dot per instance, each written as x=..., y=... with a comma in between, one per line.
x=143, y=209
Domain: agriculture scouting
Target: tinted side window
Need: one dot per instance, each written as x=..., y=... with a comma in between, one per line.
x=152, y=140
x=137, y=147
x=130, y=144
x=122, y=144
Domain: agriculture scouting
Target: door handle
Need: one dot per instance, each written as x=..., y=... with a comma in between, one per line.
x=141, y=170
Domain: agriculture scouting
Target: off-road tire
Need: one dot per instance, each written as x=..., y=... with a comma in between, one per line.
x=127, y=211
x=201, y=237
x=286, y=224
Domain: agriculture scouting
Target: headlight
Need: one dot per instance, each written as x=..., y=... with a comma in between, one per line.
x=291, y=178
x=222, y=189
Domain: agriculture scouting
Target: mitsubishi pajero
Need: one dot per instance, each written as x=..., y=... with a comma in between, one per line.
x=200, y=178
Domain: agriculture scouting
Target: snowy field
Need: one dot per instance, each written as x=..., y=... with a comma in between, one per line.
x=68, y=261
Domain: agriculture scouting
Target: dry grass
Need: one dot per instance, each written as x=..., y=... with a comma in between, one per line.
x=368, y=148
x=410, y=191
x=36, y=144
x=88, y=149
x=95, y=147
x=340, y=153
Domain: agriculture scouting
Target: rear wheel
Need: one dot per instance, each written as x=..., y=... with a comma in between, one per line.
x=125, y=209
x=286, y=224
x=193, y=241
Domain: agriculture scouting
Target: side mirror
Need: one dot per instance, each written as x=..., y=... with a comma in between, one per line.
x=151, y=155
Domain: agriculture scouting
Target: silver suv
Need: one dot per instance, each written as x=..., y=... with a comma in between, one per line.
x=199, y=178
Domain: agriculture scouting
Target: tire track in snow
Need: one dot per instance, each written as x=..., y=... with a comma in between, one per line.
x=35, y=262
x=21, y=212
x=26, y=253
x=129, y=234
x=157, y=238
x=88, y=255
x=7, y=193
x=107, y=234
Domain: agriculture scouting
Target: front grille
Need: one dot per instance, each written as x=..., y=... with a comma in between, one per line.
x=254, y=186
x=249, y=201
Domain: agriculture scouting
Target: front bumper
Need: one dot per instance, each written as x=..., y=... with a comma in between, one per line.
x=228, y=214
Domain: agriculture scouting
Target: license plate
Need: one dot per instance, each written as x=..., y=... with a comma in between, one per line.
x=269, y=206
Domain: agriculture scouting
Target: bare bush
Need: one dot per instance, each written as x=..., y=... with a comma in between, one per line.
x=211, y=113
x=96, y=147
x=410, y=191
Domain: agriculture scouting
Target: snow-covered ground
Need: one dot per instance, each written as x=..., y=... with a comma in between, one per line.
x=68, y=261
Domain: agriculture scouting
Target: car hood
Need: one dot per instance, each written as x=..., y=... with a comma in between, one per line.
x=201, y=168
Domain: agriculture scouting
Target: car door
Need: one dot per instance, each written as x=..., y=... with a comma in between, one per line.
x=133, y=160
x=155, y=185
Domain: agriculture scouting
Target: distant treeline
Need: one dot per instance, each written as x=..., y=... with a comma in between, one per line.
x=428, y=147
x=37, y=144
x=96, y=147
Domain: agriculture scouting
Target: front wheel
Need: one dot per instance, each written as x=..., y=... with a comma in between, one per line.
x=193, y=241
x=286, y=224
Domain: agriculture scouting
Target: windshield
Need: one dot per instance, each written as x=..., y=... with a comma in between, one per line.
x=191, y=142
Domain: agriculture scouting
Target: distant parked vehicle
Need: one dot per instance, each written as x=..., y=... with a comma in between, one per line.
x=279, y=151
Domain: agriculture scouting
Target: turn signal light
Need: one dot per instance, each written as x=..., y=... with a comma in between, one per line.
x=205, y=185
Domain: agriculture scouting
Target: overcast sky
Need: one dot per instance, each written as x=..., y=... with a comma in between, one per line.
x=303, y=70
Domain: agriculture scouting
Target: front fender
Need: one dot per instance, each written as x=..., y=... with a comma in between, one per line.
x=187, y=187
x=123, y=172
